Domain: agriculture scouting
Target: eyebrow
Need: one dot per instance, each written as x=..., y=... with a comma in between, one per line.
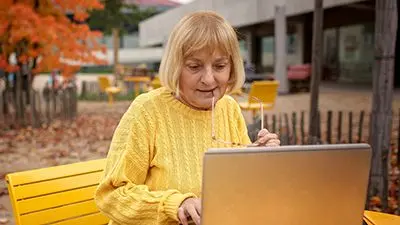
x=222, y=58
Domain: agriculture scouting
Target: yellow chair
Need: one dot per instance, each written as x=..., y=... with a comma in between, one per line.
x=266, y=91
x=377, y=218
x=137, y=81
x=105, y=86
x=61, y=195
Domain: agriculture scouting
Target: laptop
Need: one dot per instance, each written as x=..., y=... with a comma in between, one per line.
x=286, y=185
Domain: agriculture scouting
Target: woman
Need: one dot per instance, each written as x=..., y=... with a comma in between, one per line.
x=153, y=172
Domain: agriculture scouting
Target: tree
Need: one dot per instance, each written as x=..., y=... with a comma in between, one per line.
x=38, y=36
x=386, y=19
x=317, y=48
x=119, y=16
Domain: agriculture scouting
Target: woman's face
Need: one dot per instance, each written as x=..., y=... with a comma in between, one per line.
x=204, y=75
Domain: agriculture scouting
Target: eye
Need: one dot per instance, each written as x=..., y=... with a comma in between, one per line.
x=220, y=66
x=194, y=67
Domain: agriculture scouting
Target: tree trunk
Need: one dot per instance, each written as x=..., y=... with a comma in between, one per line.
x=397, y=71
x=381, y=118
x=317, y=49
x=115, y=33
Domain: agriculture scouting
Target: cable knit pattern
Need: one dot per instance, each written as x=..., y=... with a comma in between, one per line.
x=155, y=157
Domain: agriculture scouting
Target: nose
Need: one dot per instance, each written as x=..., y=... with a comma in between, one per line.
x=208, y=76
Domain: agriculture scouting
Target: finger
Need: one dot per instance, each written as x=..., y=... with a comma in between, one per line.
x=182, y=216
x=262, y=132
x=263, y=140
x=198, y=207
x=274, y=142
x=194, y=215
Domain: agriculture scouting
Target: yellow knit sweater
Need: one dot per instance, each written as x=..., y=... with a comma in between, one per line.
x=155, y=157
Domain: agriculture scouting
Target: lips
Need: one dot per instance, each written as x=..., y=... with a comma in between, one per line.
x=207, y=90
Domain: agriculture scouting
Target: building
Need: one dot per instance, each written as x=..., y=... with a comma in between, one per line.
x=130, y=53
x=348, y=33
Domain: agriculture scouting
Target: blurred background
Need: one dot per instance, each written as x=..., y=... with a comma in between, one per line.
x=70, y=69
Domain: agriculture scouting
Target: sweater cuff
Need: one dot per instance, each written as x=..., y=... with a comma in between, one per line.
x=173, y=202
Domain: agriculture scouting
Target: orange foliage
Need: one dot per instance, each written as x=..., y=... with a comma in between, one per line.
x=44, y=31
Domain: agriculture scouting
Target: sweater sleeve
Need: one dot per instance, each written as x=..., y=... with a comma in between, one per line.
x=121, y=194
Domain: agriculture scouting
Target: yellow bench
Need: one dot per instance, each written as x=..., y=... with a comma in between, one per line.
x=63, y=195
x=60, y=195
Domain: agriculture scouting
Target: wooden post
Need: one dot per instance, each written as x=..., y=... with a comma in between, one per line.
x=294, y=128
x=280, y=59
x=381, y=118
x=317, y=48
x=53, y=102
x=329, y=128
x=361, y=126
x=339, y=133
x=302, y=132
x=287, y=137
x=33, y=108
x=350, y=134
x=39, y=108
x=84, y=90
x=18, y=97
x=47, y=101
x=115, y=34
x=273, y=123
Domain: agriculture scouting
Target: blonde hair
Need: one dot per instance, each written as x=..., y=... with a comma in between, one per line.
x=194, y=32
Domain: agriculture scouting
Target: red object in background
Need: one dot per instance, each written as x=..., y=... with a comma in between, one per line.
x=299, y=72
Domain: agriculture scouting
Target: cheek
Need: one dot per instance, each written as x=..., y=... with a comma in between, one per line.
x=187, y=81
x=223, y=78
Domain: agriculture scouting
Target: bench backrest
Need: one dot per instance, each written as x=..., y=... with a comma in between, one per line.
x=57, y=195
x=264, y=90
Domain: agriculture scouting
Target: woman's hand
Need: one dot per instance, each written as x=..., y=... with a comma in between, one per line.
x=265, y=138
x=191, y=207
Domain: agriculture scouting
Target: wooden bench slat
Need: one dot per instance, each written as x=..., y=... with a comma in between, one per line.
x=55, y=200
x=55, y=172
x=95, y=219
x=58, y=185
x=58, y=214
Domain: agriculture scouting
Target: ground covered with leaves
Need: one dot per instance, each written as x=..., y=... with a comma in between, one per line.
x=85, y=138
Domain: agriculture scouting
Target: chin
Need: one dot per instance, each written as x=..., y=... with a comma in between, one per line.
x=206, y=104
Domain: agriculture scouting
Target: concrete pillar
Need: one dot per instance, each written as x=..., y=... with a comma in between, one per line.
x=280, y=67
x=249, y=47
